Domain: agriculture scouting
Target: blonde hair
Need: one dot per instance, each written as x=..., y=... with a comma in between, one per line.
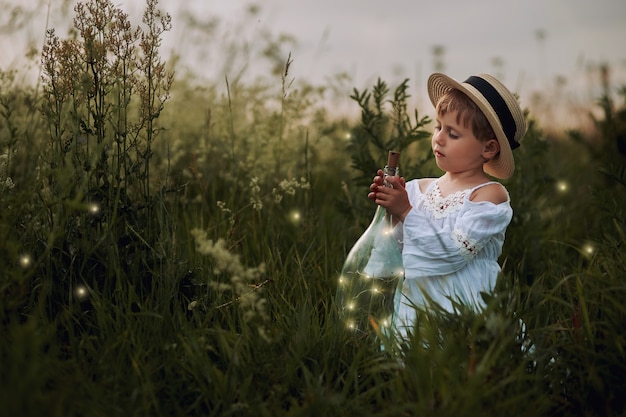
x=468, y=113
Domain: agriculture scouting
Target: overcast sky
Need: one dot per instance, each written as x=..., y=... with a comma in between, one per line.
x=534, y=40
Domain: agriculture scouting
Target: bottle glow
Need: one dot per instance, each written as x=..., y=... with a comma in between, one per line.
x=371, y=272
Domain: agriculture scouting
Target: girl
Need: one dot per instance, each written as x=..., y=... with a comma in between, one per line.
x=451, y=229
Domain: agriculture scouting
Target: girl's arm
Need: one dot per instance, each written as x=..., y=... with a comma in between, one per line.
x=431, y=249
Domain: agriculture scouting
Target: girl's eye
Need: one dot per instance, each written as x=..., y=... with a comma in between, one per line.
x=438, y=127
x=452, y=134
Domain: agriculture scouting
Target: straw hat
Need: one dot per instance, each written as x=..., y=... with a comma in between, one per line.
x=498, y=105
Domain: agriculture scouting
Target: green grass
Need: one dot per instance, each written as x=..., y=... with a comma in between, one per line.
x=112, y=303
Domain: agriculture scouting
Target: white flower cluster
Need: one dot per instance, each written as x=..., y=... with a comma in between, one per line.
x=289, y=187
x=6, y=183
x=222, y=206
x=241, y=278
x=255, y=194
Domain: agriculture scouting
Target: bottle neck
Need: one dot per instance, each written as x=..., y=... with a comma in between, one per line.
x=390, y=172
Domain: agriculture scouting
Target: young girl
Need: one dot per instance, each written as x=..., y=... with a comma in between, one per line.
x=451, y=229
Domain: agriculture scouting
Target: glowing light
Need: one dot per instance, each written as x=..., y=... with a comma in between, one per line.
x=348, y=135
x=351, y=306
x=562, y=186
x=342, y=280
x=376, y=290
x=25, y=261
x=295, y=217
x=94, y=208
x=588, y=249
x=81, y=292
x=351, y=325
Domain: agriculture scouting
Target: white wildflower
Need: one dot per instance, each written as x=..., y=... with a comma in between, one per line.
x=289, y=187
x=255, y=194
x=256, y=202
x=242, y=279
x=6, y=182
x=222, y=206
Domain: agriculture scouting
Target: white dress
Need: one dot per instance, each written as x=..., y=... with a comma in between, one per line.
x=450, y=249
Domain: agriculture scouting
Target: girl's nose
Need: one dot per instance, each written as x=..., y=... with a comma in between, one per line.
x=437, y=137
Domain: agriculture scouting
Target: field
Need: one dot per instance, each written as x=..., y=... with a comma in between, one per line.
x=169, y=247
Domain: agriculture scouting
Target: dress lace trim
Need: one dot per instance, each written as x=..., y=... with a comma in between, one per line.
x=467, y=246
x=441, y=206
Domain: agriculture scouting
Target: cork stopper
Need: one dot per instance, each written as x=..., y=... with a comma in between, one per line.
x=392, y=159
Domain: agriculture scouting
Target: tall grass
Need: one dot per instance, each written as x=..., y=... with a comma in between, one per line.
x=173, y=249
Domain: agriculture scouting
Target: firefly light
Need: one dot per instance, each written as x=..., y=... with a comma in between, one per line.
x=588, y=249
x=295, y=217
x=81, y=292
x=94, y=208
x=25, y=261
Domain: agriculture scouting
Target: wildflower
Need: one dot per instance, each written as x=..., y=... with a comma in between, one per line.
x=256, y=202
x=241, y=279
x=254, y=185
x=255, y=191
x=222, y=206
x=289, y=187
x=6, y=182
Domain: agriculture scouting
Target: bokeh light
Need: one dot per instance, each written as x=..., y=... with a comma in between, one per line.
x=94, y=208
x=588, y=249
x=25, y=261
x=81, y=292
x=562, y=186
x=295, y=217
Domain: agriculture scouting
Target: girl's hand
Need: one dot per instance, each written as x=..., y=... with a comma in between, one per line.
x=376, y=182
x=394, y=198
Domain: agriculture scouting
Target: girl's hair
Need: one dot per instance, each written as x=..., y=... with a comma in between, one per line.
x=468, y=113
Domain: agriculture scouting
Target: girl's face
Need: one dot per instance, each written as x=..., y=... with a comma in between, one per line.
x=455, y=147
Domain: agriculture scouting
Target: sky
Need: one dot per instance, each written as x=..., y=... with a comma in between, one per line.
x=528, y=44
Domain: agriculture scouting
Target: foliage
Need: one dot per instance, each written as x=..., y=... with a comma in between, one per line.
x=385, y=125
x=171, y=247
x=382, y=130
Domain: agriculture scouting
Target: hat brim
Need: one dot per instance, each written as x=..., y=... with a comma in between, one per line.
x=503, y=165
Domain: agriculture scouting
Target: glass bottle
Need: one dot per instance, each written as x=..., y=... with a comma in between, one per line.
x=371, y=272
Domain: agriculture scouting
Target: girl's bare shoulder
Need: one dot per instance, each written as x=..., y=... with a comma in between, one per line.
x=493, y=192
